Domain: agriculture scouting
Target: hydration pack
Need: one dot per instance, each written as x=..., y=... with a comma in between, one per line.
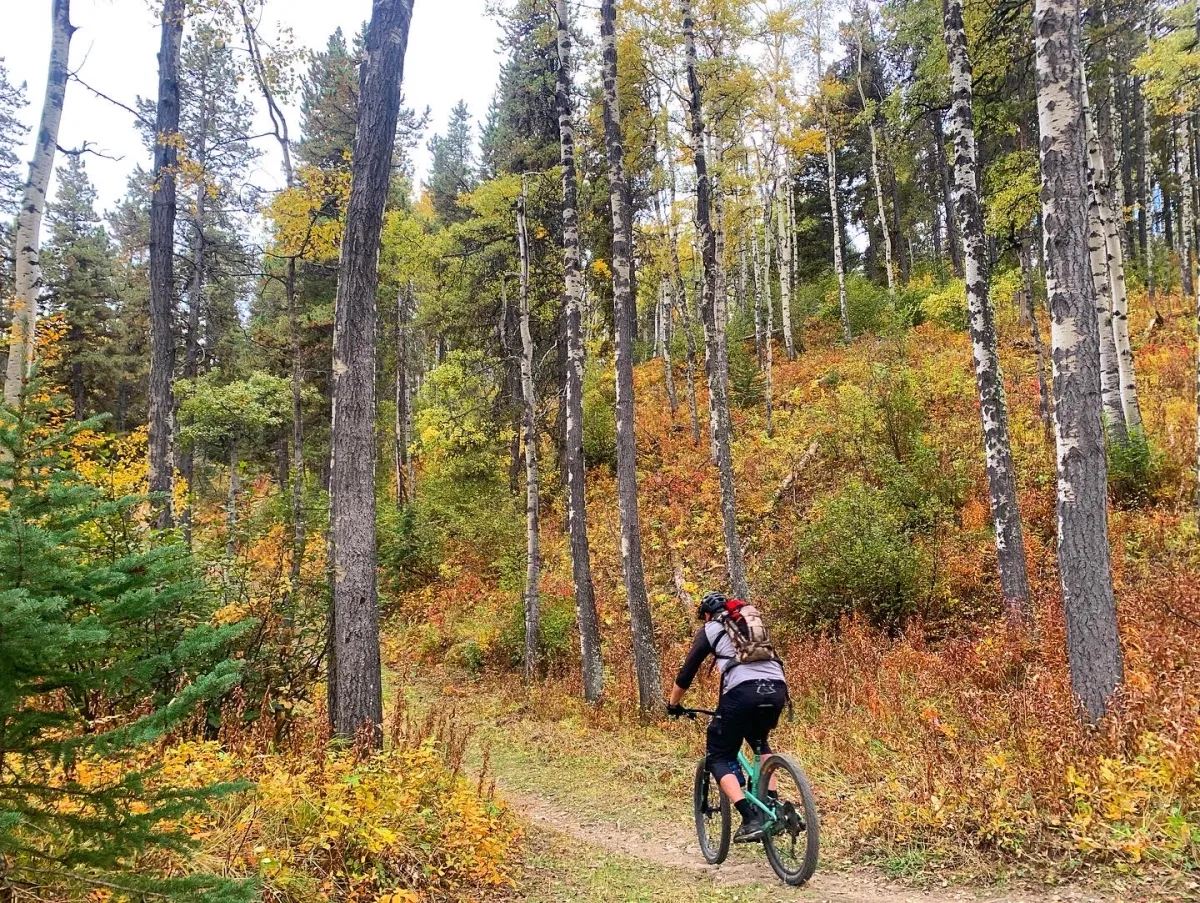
x=743, y=625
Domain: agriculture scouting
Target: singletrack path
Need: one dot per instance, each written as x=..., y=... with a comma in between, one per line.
x=608, y=814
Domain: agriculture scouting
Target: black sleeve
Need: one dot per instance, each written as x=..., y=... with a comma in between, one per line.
x=701, y=649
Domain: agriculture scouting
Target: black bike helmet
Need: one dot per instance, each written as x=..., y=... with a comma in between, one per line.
x=712, y=603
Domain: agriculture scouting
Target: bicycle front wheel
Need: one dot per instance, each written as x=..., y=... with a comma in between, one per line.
x=793, y=841
x=712, y=815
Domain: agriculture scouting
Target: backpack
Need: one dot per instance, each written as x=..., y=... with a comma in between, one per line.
x=743, y=625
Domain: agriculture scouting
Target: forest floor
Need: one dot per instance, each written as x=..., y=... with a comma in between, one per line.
x=608, y=817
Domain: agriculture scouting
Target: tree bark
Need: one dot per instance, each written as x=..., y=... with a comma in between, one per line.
x=715, y=359
x=769, y=328
x=1093, y=640
x=1143, y=189
x=1112, y=219
x=1110, y=374
x=22, y=336
x=681, y=301
x=577, y=525
x=162, y=258
x=231, y=512
x=357, y=703
x=1045, y=401
x=839, y=266
x=400, y=440
x=943, y=172
x=759, y=284
x=1186, y=213
x=280, y=128
x=533, y=553
x=869, y=109
x=664, y=325
x=1001, y=472
x=645, y=654
x=785, y=278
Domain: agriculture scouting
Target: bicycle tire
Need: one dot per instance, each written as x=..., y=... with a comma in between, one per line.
x=793, y=828
x=714, y=849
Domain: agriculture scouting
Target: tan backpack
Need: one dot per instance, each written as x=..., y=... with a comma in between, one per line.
x=743, y=624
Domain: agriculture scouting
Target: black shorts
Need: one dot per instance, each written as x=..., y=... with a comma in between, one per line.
x=748, y=712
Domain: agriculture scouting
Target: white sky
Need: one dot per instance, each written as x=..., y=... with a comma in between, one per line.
x=452, y=55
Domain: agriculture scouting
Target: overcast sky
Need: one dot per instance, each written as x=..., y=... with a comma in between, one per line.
x=452, y=55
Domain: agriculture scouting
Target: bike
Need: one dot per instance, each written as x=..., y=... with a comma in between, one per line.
x=792, y=834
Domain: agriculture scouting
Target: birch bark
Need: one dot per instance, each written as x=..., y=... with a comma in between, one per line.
x=1093, y=641
x=989, y=381
x=533, y=552
x=33, y=204
x=645, y=653
x=715, y=359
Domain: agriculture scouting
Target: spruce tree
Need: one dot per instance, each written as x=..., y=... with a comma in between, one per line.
x=106, y=646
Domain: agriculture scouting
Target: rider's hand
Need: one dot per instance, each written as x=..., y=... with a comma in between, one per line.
x=674, y=710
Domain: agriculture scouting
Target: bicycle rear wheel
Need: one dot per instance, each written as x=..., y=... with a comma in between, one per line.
x=793, y=843
x=712, y=815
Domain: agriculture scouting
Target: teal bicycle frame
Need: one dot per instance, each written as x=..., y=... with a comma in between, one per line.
x=753, y=772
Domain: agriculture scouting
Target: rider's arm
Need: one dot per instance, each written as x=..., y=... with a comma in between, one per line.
x=701, y=649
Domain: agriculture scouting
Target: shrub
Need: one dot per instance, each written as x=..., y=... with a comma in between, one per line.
x=947, y=305
x=555, y=637
x=856, y=557
x=407, y=550
x=1134, y=469
x=599, y=417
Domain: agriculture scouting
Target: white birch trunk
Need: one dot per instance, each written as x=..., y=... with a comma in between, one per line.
x=533, y=560
x=881, y=214
x=1122, y=350
x=993, y=409
x=785, y=281
x=1093, y=640
x=641, y=623
x=769, y=330
x=760, y=281
x=716, y=361
x=664, y=319
x=33, y=204
x=1183, y=157
x=836, y=216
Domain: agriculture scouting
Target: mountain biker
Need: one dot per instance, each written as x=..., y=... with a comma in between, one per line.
x=752, y=696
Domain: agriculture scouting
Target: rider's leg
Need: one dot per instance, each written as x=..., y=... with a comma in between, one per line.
x=732, y=788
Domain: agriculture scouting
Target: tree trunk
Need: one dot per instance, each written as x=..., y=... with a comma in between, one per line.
x=1143, y=189
x=1112, y=219
x=769, y=329
x=33, y=205
x=681, y=302
x=1001, y=473
x=1183, y=157
x=664, y=325
x=645, y=654
x=759, y=285
x=839, y=266
x=1110, y=375
x=1093, y=641
x=875, y=177
x=1029, y=313
x=785, y=280
x=280, y=128
x=357, y=703
x=577, y=524
x=162, y=258
x=533, y=554
x=191, y=356
x=715, y=359
x=943, y=172
x=231, y=512
x=403, y=301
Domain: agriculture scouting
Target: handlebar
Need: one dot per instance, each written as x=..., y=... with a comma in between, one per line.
x=692, y=713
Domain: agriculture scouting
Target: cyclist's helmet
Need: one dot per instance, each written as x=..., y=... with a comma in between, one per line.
x=712, y=603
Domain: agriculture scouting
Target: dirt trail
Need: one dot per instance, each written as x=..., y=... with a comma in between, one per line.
x=667, y=845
